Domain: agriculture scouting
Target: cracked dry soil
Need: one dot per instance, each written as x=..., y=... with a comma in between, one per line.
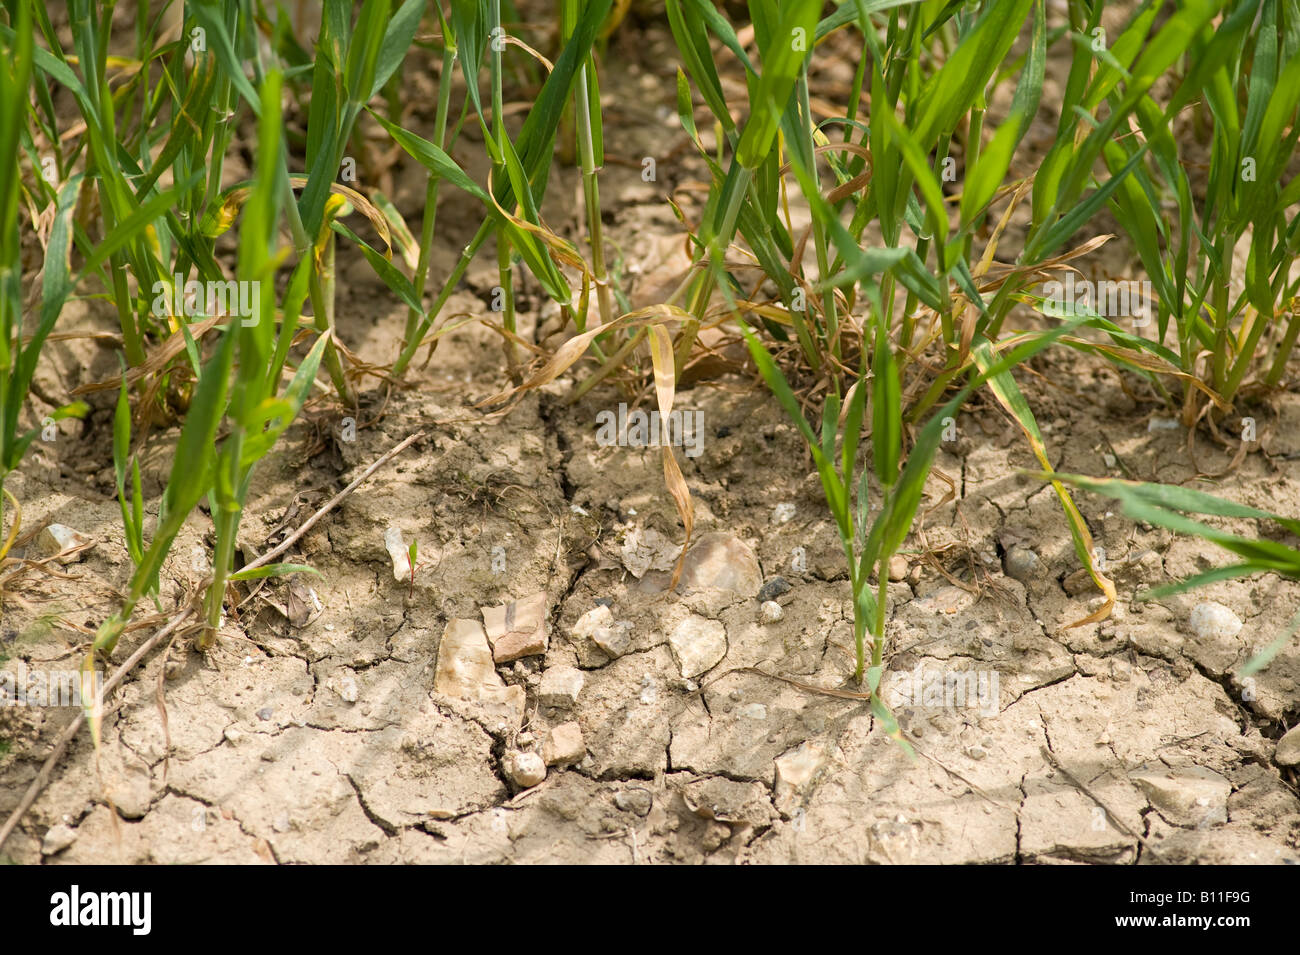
x=315, y=732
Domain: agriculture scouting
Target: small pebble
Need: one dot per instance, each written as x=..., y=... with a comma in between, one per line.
x=54, y=539
x=649, y=692
x=774, y=588
x=698, y=645
x=525, y=770
x=782, y=513
x=564, y=745
x=58, y=838
x=1214, y=621
x=1288, y=748
x=721, y=561
x=1021, y=563
x=615, y=640
x=348, y=688
x=398, y=552
x=770, y=611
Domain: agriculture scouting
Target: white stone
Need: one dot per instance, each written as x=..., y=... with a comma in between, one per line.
x=698, y=645
x=1214, y=621
x=54, y=539
x=466, y=670
x=796, y=768
x=398, y=553
x=525, y=769
x=782, y=512
x=770, y=611
x=589, y=622
x=560, y=686
x=57, y=838
x=722, y=562
x=348, y=687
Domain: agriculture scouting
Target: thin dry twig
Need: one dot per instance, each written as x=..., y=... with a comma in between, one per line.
x=65, y=738
x=333, y=502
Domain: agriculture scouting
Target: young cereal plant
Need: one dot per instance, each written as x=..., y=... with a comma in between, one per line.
x=1243, y=77
x=258, y=412
x=869, y=541
x=916, y=112
x=20, y=343
x=250, y=402
x=520, y=167
x=354, y=60
x=147, y=234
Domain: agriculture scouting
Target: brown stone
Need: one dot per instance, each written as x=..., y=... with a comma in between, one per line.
x=564, y=745
x=517, y=629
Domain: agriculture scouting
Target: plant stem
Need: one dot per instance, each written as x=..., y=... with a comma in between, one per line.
x=1246, y=354
x=506, y=278
x=716, y=252
x=882, y=602
x=1284, y=349
x=591, y=197
x=467, y=255
x=498, y=175
x=321, y=314
x=1221, y=317
x=831, y=330
x=431, y=192
x=226, y=520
